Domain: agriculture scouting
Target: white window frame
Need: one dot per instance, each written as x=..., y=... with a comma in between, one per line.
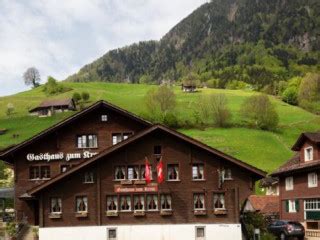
x=104, y=118
x=289, y=185
x=112, y=229
x=292, y=206
x=59, y=200
x=200, y=196
x=312, y=180
x=306, y=154
x=196, y=233
x=85, y=200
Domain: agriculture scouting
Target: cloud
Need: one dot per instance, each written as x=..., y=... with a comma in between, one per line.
x=59, y=37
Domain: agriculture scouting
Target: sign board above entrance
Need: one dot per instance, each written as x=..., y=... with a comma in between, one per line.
x=59, y=156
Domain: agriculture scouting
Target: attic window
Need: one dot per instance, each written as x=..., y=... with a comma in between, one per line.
x=308, y=154
x=104, y=118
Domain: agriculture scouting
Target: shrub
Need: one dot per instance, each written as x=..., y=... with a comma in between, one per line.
x=85, y=96
x=220, y=112
x=236, y=85
x=213, y=83
x=52, y=87
x=290, y=95
x=76, y=97
x=11, y=229
x=10, y=109
x=260, y=111
x=254, y=220
x=159, y=102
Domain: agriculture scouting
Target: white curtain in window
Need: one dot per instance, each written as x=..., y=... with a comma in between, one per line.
x=201, y=171
x=152, y=202
x=139, y=202
x=176, y=168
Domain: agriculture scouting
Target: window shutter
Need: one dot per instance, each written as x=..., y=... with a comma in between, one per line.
x=297, y=205
x=287, y=205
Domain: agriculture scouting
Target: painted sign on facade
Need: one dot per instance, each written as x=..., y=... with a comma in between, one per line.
x=59, y=156
x=125, y=189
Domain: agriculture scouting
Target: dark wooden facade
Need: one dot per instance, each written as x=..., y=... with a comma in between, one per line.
x=33, y=197
x=304, y=195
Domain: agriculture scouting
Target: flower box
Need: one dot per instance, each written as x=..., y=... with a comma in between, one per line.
x=166, y=212
x=140, y=182
x=200, y=212
x=82, y=214
x=126, y=182
x=139, y=213
x=220, y=211
x=55, y=215
x=112, y=213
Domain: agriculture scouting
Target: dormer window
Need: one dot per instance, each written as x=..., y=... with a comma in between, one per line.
x=308, y=154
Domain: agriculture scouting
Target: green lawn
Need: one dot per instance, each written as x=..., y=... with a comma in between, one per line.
x=266, y=150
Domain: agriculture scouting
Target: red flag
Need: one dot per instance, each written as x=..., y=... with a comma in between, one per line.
x=160, y=171
x=148, y=172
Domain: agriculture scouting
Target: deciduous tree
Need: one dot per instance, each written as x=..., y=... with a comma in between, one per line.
x=32, y=77
x=260, y=111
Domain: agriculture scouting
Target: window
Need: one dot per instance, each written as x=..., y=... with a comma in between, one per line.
x=64, y=168
x=119, y=137
x=126, y=135
x=39, y=172
x=133, y=172
x=312, y=180
x=166, y=202
x=198, y=201
x=197, y=172
x=173, y=172
x=56, y=205
x=125, y=203
x=112, y=234
x=152, y=202
x=312, y=204
x=82, y=204
x=157, y=150
x=112, y=203
x=200, y=233
x=88, y=177
x=292, y=206
x=104, y=118
x=34, y=172
x=227, y=174
x=308, y=154
x=120, y=173
x=218, y=201
x=289, y=183
x=45, y=172
x=87, y=141
x=138, y=202
x=116, y=138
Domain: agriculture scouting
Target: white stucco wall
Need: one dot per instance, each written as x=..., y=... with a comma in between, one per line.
x=139, y=232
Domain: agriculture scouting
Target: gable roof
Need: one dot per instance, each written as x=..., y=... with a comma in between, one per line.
x=69, y=120
x=265, y=204
x=311, y=136
x=255, y=171
x=54, y=103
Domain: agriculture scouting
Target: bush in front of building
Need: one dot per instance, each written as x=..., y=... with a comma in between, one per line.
x=252, y=221
x=11, y=229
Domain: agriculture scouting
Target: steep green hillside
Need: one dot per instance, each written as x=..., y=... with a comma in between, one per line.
x=255, y=41
x=266, y=150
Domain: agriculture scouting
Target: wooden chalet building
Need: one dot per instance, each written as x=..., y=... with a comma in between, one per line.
x=84, y=178
x=299, y=190
x=50, y=107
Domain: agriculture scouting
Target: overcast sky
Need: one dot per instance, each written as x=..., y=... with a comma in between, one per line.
x=60, y=36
